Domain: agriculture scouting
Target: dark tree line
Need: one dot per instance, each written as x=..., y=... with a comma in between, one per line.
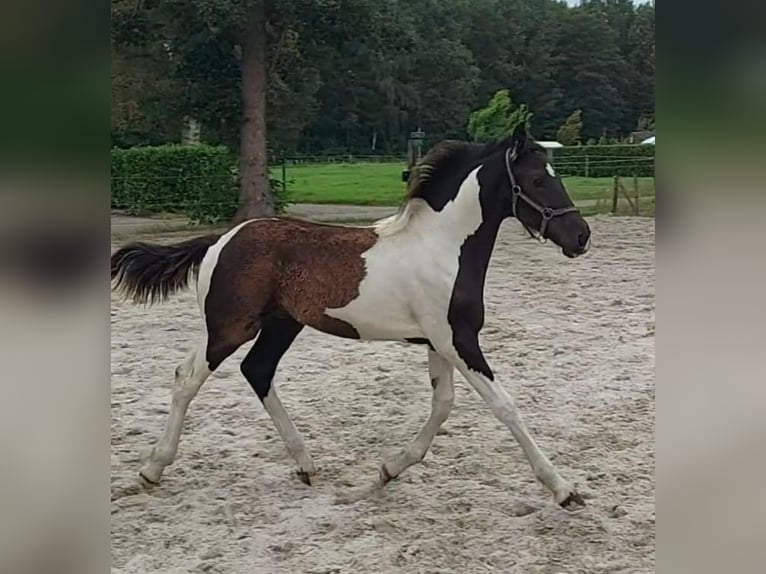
x=358, y=75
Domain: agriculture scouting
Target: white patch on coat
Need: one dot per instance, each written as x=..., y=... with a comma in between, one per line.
x=398, y=221
x=550, y=170
x=410, y=274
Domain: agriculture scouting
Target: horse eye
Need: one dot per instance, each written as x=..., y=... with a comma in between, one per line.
x=538, y=181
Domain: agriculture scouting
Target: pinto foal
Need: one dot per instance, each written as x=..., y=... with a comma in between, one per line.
x=417, y=276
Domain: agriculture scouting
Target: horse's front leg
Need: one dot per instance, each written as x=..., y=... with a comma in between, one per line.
x=464, y=353
x=440, y=372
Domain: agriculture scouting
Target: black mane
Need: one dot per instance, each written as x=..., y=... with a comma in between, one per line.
x=448, y=159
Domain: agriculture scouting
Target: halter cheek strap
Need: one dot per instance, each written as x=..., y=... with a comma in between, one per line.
x=546, y=213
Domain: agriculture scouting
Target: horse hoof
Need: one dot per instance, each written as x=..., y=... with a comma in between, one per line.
x=572, y=502
x=146, y=481
x=385, y=476
x=304, y=477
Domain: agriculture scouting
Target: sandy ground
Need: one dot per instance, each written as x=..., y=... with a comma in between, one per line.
x=572, y=340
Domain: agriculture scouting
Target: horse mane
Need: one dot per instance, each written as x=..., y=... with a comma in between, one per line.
x=444, y=160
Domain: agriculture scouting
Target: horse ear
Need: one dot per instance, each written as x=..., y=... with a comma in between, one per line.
x=519, y=138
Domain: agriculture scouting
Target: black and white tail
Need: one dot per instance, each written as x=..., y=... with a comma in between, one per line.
x=149, y=272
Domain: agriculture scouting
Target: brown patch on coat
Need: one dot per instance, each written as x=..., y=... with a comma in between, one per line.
x=283, y=265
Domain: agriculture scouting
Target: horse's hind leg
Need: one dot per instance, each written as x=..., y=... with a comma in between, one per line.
x=259, y=366
x=441, y=373
x=189, y=377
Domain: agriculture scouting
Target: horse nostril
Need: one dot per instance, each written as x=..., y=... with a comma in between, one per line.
x=582, y=239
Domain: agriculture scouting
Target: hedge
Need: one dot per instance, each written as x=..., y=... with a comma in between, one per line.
x=197, y=180
x=605, y=160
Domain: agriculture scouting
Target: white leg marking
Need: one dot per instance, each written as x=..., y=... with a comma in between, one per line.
x=504, y=408
x=190, y=375
x=441, y=372
x=290, y=435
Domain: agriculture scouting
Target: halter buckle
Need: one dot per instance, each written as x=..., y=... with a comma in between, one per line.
x=547, y=213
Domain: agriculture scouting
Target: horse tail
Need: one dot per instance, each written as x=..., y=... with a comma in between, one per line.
x=149, y=272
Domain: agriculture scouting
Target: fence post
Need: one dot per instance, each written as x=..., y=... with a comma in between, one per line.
x=615, y=191
x=586, y=166
x=635, y=190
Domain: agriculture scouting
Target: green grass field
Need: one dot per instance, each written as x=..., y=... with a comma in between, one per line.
x=381, y=184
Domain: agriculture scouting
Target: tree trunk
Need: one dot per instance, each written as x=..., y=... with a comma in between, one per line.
x=255, y=193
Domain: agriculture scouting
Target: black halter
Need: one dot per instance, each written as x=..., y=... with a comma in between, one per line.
x=547, y=213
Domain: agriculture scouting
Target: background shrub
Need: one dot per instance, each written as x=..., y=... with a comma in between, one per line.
x=199, y=181
x=605, y=160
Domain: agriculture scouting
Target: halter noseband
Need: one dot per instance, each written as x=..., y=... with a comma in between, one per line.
x=547, y=213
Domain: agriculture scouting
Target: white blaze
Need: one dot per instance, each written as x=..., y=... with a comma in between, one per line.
x=549, y=169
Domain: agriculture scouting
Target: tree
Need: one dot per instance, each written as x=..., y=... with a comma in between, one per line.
x=645, y=124
x=640, y=63
x=445, y=88
x=230, y=58
x=591, y=71
x=569, y=132
x=145, y=108
x=342, y=74
x=255, y=192
x=497, y=119
x=443, y=74
x=513, y=42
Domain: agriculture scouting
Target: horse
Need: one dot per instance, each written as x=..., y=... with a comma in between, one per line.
x=416, y=277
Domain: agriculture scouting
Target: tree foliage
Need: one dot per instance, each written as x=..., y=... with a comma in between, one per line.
x=569, y=132
x=347, y=75
x=497, y=119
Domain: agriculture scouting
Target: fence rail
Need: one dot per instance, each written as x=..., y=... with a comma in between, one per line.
x=586, y=165
x=339, y=159
x=167, y=184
